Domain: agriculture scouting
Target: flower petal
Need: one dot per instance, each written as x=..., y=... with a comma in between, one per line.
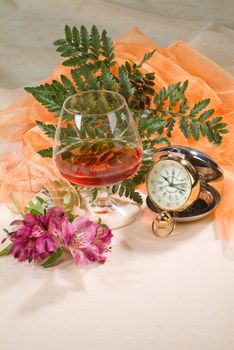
x=83, y=226
x=18, y=252
x=66, y=233
x=46, y=244
x=55, y=216
x=80, y=258
x=37, y=231
x=30, y=219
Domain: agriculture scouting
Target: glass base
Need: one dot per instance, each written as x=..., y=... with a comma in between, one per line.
x=114, y=211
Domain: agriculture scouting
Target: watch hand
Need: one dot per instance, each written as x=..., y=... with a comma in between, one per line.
x=179, y=188
x=165, y=179
x=173, y=175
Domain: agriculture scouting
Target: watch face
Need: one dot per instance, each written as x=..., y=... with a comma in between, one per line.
x=169, y=184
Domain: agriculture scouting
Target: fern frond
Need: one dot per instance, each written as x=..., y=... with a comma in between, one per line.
x=79, y=81
x=48, y=129
x=47, y=153
x=85, y=39
x=124, y=190
x=95, y=42
x=146, y=57
x=106, y=78
x=108, y=49
x=126, y=89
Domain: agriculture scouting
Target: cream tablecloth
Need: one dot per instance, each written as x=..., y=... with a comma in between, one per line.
x=174, y=294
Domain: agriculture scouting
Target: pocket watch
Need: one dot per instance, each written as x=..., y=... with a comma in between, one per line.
x=178, y=189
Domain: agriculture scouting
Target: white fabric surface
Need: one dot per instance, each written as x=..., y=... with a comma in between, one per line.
x=173, y=294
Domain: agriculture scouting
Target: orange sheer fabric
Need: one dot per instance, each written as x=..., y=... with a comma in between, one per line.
x=176, y=63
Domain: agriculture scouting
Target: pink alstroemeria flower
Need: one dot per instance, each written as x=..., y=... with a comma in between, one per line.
x=37, y=235
x=86, y=240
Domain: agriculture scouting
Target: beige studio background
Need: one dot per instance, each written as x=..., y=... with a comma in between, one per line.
x=28, y=28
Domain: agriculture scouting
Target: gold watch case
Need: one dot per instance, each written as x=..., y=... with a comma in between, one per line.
x=206, y=179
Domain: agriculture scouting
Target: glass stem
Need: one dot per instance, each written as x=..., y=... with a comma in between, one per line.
x=103, y=197
x=103, y=202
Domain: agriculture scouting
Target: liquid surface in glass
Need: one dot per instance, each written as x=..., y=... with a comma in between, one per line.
x=98, y=162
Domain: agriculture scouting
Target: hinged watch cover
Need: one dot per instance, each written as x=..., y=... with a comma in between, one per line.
x=209, y=171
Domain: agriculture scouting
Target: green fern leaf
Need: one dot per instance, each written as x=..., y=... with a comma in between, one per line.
x=219, y=126
x=184, y=126
x=92, y=81
x=107, y=49
x=156, y=126
x=64, y=47
x=149, y=82
x=141, y=174
x=150, y=125
x=95, y=41
x=48, y=129
x=56, y=87
x=85, y=39
x=121, y=190
x=160, y=139
x=68, y=52
x=68, y=84
x=76, y=37
x=148, y=90
x=68, y=33
x=126, y=189
x=203, y=129
x=128, y=67
x=170, y=126
x=115, y=188
x=69, y=134
x=160, y=98
x=194, y=129
x=223, y=131
x=107, y=80
x=210, y=134
x=75, y=61
x=47, y=153
x=150, y=76
x=146, y=57
x=93, y=194
x=206, y=115
x=183, y=106
x=90, y=131
x=217, y=137
x=135, y=196
x=126, y=88
x=185, y=85
x=79, y=81
x=215, y=121
x=49, y=96
x=199, y=106
x=59, y=42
